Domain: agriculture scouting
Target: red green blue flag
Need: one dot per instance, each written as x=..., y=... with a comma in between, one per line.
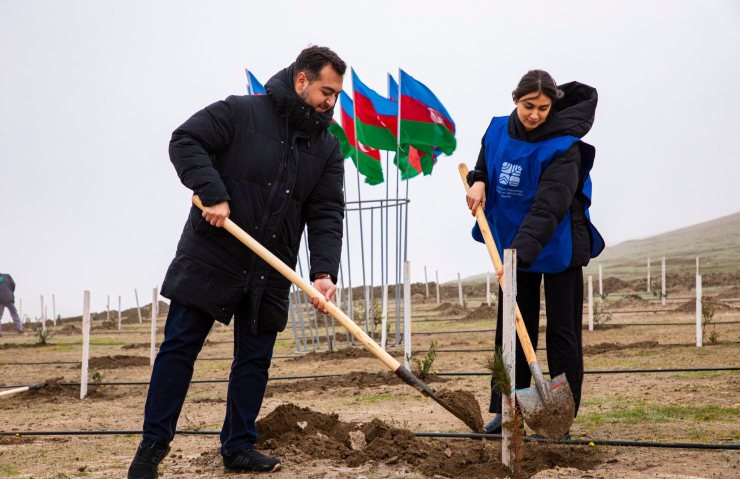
x=392, y=88
x=377, y=117
x=424, y=119
x=366, y=159
x=254, y=87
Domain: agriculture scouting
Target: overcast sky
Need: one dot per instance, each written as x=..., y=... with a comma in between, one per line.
x=90, y=93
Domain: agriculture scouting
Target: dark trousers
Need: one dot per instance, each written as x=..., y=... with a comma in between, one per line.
x=184, y=334
x=564, y=302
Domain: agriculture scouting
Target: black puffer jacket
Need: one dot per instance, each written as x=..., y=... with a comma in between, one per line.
x=7, y=289
x=273, y=159
x=561, y=185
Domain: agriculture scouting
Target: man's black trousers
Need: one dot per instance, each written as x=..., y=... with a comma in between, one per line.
x=564, y=303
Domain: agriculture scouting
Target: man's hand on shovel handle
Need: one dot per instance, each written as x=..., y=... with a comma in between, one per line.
x=217, y=214
x=325, y=287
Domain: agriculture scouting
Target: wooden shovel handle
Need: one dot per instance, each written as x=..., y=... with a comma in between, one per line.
x=498, y=265
x=306, y=287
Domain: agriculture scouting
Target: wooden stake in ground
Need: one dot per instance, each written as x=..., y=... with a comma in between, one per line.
x=368, y=308
x=699, y=337
x=459, y=289
x=436, y=273
x=488, y=287
x=152, y=349
x=138, y=309
x=407, y=313
x=85, y=343
x=384, y=324
x=426, y=282
x=509, y=348
x=648, y=276
x=697, y=266
x=119, y=312
x=43, y=317
x=662, y=280
x=590, y=303
x=107, y=315
x=601, y=286
x=54, y=301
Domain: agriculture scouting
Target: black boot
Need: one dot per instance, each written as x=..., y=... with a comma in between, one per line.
x=251, y=460
x=494, y=425
x=147, y=458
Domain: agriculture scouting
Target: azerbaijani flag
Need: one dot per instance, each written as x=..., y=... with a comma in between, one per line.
x=392, y=88
x=337, y=130
x=254, y=87
x=366, y=160
x=377, y=117
x=424, y=120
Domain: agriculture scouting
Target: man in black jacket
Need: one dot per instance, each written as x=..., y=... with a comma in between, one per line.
x=270, y=165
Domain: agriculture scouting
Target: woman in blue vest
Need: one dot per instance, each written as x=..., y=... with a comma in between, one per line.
x=532, y=179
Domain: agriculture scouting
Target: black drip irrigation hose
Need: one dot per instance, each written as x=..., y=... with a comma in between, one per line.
x=573, y=442
x=318, y=376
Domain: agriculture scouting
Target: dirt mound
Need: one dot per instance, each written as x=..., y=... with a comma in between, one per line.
x=442, y=307
x=292, y=430
x=483, y=313
x=690, y=306
x=69, y=329
x=339, y=355
x=616, y=285
x=453, y=310
x=53, y=392
x=465, y=406
x=610, y=347
x=137, y=346
x=630, y=301
x=116, y=362
x=351, y=380
x=732, y=293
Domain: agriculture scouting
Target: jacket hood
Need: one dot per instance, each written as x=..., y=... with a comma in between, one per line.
x=572, y=115
x=291, y=108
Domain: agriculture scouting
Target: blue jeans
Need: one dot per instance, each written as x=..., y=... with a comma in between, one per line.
x=184, y=334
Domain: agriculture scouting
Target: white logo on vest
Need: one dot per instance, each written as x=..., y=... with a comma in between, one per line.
x=510, y=174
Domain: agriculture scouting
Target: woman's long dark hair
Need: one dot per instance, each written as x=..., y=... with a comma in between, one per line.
x=538, y=81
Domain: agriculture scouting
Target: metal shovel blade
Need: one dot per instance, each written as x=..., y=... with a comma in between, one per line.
x=551, y=417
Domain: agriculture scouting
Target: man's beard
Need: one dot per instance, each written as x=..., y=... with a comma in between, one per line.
x=306, y=98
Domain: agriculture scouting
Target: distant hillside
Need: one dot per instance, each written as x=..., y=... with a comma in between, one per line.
x=716, y=242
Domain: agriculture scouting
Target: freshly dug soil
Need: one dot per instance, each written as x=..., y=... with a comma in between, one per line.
x=116, y=362
x=442, y=307
x=616, y=285
x=483, y=313
x=454, y=310
x=69, y=329
x=351, y=380
x=690, y=306
x=290, y=429
x=466, y=407
x=610, y=347
x=137, y=346
x=339, y=355
x=53, y=392
x=732, y=293
x=631, y=301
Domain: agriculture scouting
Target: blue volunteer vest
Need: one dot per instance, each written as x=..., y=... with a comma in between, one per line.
x=514, y=171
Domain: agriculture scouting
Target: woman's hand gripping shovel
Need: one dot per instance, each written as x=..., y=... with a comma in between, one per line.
x=351, y=327
x=548, y=408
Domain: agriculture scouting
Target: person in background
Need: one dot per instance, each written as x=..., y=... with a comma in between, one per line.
x=532, y=179
x=7, y=300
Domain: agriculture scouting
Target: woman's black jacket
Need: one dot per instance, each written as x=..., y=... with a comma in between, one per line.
x=273, y=159
x=561, y=185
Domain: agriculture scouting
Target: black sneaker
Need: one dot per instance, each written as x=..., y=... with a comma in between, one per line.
x=251, y=460
x=494, y=425
x=147, y=458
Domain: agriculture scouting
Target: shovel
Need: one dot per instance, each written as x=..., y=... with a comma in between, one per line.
x=400, y=371
x=548, y=408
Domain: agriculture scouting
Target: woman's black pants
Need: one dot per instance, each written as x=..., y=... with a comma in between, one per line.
x=564, y=308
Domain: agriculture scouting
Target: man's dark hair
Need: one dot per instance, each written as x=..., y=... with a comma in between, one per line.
x=537, y=81
x=313, y=59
